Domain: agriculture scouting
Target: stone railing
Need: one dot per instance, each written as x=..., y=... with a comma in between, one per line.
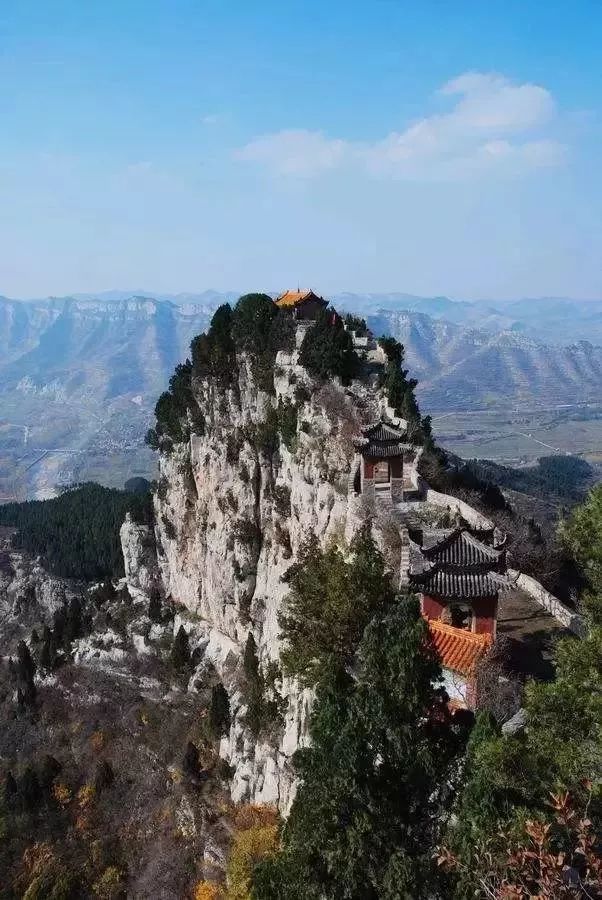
x=469, y=514
x=567, y=617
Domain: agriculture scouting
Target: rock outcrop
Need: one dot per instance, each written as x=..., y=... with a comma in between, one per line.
x=233, y=507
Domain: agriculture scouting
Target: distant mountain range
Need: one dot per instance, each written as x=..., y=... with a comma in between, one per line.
x=80, y=375
x=464, y=368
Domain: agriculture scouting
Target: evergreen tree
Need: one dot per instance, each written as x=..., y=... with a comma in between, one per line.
x=49, y=769
x=180, y=651
x=377, y=780
x=25, y=670
x=47, y=651
x=333, y=597
x=327, y=349
x=191, y=762
x=155, y=612
x=253, y=687
x=219, y=711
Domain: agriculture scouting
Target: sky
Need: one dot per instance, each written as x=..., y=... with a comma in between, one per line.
x=384, y=145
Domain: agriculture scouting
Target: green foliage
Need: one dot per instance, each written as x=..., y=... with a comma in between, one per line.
x=246, y=531
x=376, y=781
x=327, y=349
x=355, y=323
x=287, y=423
x=451, y=475
x=263, y=708
x=213, y=353
x=219, y=711
x=582, y=535
x=565, y=477
x=333, y=596
x=252, y=322
x=176, y=410
x=509, y=778
x=77, y=533
x=282, y=500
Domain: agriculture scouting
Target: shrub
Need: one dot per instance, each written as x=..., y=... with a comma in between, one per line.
x=246, y=531
x=287, y=423
x=110, y=885
x=282, y=500
x=168, y=525
x=208, y=890
x=171, y=410
x=249, y=847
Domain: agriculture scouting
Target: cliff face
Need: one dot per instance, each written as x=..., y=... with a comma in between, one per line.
x=233, y=507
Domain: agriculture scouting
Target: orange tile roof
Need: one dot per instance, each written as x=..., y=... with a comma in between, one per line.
x=458, y=650
x=293, y=298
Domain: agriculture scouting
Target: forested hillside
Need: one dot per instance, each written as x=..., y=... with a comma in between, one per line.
x=77, y=533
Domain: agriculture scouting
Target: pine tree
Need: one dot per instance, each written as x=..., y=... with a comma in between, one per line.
x=253, y=687
x=180, y=651
x=47, y=652
x=25, y=670
x=155, y=612
x=191, y=762
x=377, y=778
x=49, y=769
x=219, y=711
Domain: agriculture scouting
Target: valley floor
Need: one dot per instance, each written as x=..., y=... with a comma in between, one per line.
x=519, y=436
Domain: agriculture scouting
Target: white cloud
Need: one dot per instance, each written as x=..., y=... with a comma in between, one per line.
x=294, y=152
x=495, y=125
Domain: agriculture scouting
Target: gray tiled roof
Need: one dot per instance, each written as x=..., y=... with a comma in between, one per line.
x=457, y=585
x=459, y=548
x=382, y=440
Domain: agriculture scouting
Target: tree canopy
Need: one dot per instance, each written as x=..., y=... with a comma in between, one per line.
x=77, y=533
x=333, y=596
x=375, y=782
x=327, y=349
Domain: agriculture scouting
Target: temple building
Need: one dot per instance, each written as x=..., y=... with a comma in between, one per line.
x=304, y=305
x=385, y=463
x=458, y=578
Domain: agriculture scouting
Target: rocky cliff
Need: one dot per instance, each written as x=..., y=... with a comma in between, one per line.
x=233, y=507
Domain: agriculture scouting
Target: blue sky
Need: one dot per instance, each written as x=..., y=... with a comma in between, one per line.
x=432, y=147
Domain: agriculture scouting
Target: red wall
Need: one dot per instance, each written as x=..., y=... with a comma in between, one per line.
x=431, y=607
x=395, y=465
x=485, y=614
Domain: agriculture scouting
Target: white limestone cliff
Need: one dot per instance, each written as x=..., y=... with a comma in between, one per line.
x=231, y=517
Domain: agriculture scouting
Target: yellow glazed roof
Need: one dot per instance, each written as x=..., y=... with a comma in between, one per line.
x=293, y=298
